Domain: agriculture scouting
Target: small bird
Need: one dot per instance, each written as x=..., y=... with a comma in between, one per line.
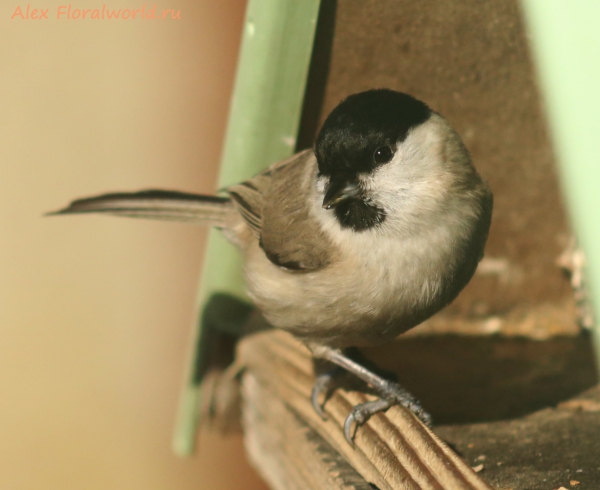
x=351, y=243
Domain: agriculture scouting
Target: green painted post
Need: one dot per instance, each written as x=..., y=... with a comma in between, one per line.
x=263, y=123
x=566, y=46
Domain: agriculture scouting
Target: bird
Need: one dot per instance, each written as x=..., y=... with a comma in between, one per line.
x=352, y=242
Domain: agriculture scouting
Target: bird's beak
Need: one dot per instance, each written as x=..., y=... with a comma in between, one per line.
x=337, y=191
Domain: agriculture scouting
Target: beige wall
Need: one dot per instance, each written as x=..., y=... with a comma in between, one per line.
x=95, y=312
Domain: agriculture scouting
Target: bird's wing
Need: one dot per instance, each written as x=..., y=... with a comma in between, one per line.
x=249, y=196
x=274, y=204
x=158, y=204
x=248, y=200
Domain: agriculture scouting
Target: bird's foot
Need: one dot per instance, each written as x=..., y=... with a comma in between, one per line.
x=391, y=393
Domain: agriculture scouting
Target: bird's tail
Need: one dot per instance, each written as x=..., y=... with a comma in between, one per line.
x=156, y=204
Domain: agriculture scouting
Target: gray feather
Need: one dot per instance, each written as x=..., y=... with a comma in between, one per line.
x=157, y=204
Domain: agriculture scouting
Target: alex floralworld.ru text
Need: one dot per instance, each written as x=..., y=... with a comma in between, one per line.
x=68, y=12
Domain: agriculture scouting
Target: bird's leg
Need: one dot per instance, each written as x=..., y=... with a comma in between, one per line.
x=391, y=393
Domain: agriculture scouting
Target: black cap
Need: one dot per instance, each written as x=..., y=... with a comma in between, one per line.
x=361, y=124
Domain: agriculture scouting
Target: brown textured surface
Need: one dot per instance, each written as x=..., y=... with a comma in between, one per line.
x=480, y=379
x=469, y=61
x=556, y=447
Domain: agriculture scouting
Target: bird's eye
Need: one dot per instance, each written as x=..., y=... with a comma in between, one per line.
x=383, y=154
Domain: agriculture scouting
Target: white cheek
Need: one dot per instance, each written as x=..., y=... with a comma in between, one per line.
x=321, y=184
x=414, y=180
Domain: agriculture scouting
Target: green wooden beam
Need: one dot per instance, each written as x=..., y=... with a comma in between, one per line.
x=263, y=124
x=566, y=46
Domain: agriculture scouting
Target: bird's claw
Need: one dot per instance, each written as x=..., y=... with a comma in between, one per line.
x=393, y=394
x=322, y=385
x=361, y=413
x=397, y=395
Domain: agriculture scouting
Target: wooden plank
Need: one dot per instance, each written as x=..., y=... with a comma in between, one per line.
x=393, y=450
x=292, y=454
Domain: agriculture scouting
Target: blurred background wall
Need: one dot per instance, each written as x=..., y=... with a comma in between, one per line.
x=95, y=312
